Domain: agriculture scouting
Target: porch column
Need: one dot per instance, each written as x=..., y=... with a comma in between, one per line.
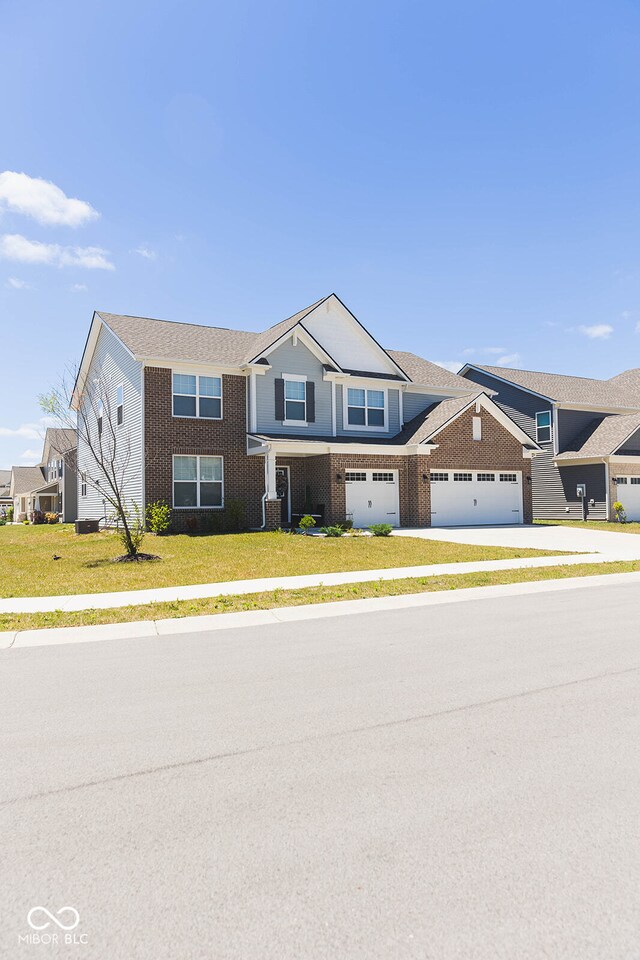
x=271, y=475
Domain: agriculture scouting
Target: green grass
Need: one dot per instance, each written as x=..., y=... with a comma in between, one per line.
x=86, y=564
x=289, y=598
x=610, y=527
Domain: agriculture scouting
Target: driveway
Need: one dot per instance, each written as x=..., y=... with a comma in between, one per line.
x=613, y=546
x=451, y=783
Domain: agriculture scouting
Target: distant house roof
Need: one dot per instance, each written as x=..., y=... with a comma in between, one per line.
x=602, y=437
x=556, y=386
x=61, y=439
x=168, y=340
x=26, y=479
x=5, y=483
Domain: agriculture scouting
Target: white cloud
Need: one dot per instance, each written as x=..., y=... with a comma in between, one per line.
x=13, y=246
x=144, y=251
x=509, y=360
x=32, y=455
x=42, y=201
x=28, y=431
x=14, y=283
x=599, y=331
x=452, y=365
x=78, y=287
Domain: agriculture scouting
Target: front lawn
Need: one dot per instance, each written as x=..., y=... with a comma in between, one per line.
x=85, y=565
x=610, y=527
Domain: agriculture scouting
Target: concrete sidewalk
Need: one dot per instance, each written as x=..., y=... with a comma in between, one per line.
x=105, y=601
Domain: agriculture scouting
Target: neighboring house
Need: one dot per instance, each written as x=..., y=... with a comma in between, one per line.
x=589, y=432
x=5, y=490
x=50, y=487
x=311, y=415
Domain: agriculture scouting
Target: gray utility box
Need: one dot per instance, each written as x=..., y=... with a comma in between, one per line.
x=87, y=526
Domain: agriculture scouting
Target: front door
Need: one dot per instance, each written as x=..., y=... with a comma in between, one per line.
x=282, y=490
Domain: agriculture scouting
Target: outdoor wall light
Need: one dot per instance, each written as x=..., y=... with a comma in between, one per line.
x=338, y=478
x=425, y=477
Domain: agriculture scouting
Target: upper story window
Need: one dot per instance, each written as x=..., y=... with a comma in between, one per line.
x=366, y=408
x=120, y=405
x=195, y=396
x=295, y=399
x=99, y=418
x=543, y=426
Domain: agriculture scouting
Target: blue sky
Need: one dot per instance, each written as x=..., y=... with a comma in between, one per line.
x=463, y=175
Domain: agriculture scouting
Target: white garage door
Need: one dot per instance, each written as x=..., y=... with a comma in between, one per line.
x=372, y=497
x=472, y=498
x=628, y=493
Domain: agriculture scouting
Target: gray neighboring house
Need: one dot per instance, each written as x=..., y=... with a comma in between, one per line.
x=51, y=486
x=589, y=432
x=5, y=489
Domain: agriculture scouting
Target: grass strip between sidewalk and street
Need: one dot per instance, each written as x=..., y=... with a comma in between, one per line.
x=291, y=598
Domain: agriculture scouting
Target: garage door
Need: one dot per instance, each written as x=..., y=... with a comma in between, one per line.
x=628, y=493
x=372, y=497
x=472, y=498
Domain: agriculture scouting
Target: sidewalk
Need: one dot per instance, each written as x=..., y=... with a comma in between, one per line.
x=104, y=601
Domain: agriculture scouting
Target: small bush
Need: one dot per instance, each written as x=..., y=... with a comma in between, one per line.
x=235, y=516
x=3, y=520
x=158, y=517
x=381, y=529
x=334, y=531
x=306, y=523
x=191, y=524
x=621, y=515
x=9, y=514
x=51, y=518
x=37, y=516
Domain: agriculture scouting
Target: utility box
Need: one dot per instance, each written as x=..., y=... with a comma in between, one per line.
x=87, y=526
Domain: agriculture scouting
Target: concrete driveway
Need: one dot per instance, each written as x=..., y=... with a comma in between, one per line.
x=613, y=546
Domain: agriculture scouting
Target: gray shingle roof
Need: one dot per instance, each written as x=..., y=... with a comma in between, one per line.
x=26, y=479
x=61, y=439
x=602, y=436
x=557, y=386
x=168, y=340
x=627, y=380
x=423, y=371
x=5, y=480
x=425, y=424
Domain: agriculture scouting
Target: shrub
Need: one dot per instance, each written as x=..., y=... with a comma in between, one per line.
x=381, y=529
x=9, y=514
x=51, y=518
x=37, y=516
x=3, y=520
x=621, y=515
x=235, y=516
x=345, y=525
x=158, y=517
x=191, y=523
x=306, y=523
x=333, y=531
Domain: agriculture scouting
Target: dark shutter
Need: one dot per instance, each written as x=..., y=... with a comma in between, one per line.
x=279, y=386
x=311, y=401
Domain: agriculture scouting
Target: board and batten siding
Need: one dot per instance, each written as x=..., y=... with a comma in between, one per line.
x=553, y=490
x=295, y=360
x=115, y=366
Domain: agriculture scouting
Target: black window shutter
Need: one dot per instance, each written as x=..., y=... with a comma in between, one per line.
x=279, y=386
x=311, y=401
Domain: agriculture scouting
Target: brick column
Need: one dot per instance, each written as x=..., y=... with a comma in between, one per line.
x=273, y=514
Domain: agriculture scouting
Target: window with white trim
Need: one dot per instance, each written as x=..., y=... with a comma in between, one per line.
x=83, y=484
x=463, y=477
x=621, y=480
x=366, y=408
x=508, y=478
x=383, y=477
x=476, y=427
x=635, y=480
x=197, y=482
x=295, y=399
x=543, y=426
x=100, y=416
x=120, y=405
x=195, y=396
x=354, y=476
x=486, y=477
x=439, y=477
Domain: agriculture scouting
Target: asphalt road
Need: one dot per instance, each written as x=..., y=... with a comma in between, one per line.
x=460, y=781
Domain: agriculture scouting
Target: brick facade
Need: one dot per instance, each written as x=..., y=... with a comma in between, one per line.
x=618, y=492
x=319, y=479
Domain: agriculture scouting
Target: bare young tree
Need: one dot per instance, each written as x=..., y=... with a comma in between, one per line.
x=104, y=459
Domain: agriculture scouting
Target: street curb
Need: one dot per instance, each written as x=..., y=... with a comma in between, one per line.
x=17, y=640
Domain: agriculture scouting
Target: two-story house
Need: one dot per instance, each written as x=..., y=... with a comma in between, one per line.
x=311, y=415
x=589, y=434
x=50, y=487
